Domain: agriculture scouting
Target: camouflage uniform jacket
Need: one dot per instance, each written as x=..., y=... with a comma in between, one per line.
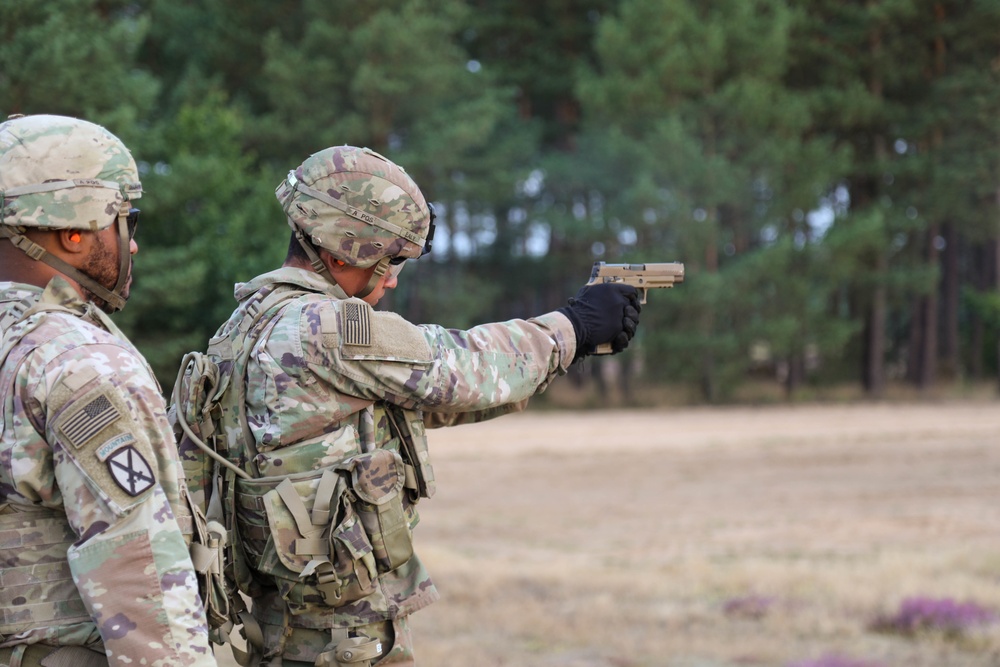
x=91, y=516
x=320, y=379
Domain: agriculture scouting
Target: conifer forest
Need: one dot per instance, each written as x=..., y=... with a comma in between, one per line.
x=827, y=170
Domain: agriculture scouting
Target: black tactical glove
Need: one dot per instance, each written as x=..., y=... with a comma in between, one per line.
x=603, y=313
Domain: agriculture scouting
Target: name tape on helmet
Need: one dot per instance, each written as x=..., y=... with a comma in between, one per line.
x=52, y=186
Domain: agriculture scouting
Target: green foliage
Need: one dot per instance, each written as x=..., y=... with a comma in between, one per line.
x=75, y=57
x=804, y=160
x=210, y=222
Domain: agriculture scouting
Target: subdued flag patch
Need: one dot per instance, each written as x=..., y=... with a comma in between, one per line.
x=130, y=471
x=89, y=420
x=357, y=324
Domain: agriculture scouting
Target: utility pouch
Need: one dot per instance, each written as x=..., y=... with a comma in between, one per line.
x=324, y=536
x=409, y=427
x=377, y=479
x=302, y=530
x=351, y=652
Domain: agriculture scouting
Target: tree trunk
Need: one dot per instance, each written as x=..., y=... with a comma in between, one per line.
x=875, y=325
x=996, y=284
x=950, y=355
x=929, y=347
x=874, y=370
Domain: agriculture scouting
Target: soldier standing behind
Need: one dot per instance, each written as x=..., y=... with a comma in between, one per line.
x=93, y=507
x=318, y=405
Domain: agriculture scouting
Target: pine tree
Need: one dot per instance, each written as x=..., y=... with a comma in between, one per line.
x=716, y=162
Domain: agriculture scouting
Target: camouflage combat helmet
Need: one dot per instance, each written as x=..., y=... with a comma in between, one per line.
x=63, y=173
x=58, y=172
x=359, y=206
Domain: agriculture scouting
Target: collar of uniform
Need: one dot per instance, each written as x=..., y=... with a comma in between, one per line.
x=305, y=279
x=60, y=293
x=57, y=293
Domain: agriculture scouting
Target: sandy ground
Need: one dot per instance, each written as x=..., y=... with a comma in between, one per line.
x=704, y=536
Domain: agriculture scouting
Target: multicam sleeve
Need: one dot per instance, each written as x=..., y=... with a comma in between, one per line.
x=118, y=477
x=378, y=355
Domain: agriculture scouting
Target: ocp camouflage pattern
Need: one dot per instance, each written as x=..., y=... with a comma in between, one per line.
x=40, y=149
x=319, y=383
x=362, y=180
x=88, y=467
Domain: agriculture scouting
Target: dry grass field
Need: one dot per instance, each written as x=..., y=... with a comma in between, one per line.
x=707, y=537
x=698, y=537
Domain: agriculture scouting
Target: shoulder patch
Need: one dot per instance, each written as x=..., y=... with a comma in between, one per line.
x=356, y=327
x=130, y=471
x=391, y=339
x=84, y=423
x=108, y=446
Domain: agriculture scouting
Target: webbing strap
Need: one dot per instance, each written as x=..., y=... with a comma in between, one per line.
x=35, y=594
x=37, y=252
x=312, y=546
x=52, y=186
x=328, y=484
x=277, y=296
x=380, y=269
x=14, y=312
x=43, y=614
x=297, y=508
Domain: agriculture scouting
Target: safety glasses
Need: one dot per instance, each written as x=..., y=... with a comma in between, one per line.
x=131, y=221
x=396, y=263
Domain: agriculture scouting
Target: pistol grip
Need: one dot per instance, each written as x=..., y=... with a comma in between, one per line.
x=603, y=348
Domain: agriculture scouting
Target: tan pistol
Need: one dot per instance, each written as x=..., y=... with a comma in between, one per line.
x=643, y=277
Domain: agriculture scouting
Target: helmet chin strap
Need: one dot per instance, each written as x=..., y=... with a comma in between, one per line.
x=314, y=259
x=319, y=267
x=380, y=269
x=113, y=298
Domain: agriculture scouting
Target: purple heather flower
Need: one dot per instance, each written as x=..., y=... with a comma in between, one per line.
x=943, y=614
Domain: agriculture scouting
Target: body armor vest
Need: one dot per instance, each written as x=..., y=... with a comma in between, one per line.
x=322, y=536
x=36, y=587
x=34, y=541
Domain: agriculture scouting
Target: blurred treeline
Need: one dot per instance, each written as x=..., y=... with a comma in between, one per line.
x=826, y=169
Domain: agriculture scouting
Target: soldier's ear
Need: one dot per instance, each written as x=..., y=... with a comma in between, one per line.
x=72, y=241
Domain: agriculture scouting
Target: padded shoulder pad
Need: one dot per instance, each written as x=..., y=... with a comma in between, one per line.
x=96, y=429
x=369, y=334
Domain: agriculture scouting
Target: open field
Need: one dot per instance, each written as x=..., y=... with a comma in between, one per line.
x=711, y=536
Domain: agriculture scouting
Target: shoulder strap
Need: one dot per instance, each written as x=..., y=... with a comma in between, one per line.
x=236, y=347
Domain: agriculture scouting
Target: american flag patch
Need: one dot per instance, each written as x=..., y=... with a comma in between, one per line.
x=89, y=420
x=357, y=324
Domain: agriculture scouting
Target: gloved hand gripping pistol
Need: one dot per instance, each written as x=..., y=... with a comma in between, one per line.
x=641, y=276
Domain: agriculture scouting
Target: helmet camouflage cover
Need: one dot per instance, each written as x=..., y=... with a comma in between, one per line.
x=58, y=172
x=357, y=205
